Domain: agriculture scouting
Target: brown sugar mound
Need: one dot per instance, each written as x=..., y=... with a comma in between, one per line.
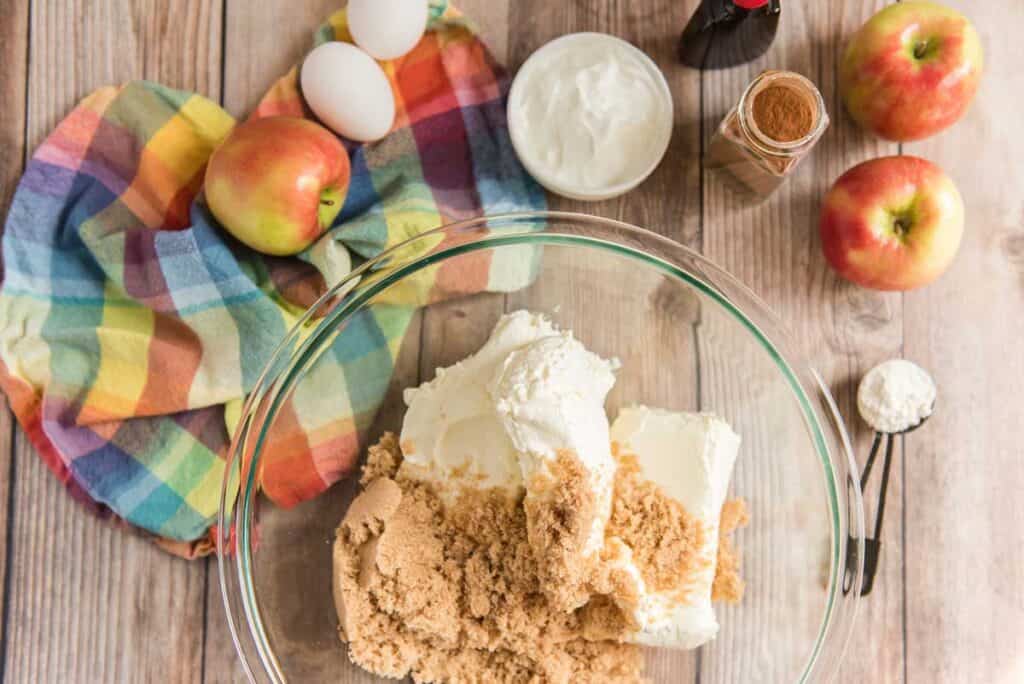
x=456, y=595
x=728, y=585
x=494, y=588
x=559, y=513
x=382, y=459
x=665, y=539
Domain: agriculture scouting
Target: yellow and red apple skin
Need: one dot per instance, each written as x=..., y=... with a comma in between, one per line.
x=899, y=96
x=277, y=183
x=859, y=231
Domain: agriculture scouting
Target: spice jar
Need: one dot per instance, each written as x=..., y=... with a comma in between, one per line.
x=779, y=118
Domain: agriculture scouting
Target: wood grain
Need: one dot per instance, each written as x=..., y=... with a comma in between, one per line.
x=13, y=83
x=13, y=80
x=80, y=45
x=88, y=602
x=263, y=39
x=965, y=563
x=773, y=247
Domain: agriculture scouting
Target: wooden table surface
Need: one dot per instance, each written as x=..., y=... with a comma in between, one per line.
x=83, y=602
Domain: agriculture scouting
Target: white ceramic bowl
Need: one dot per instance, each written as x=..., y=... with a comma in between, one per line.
x=541, y=59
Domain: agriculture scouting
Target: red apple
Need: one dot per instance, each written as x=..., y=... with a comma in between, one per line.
x=911, y=70
x=892, y=223
x=277, y=183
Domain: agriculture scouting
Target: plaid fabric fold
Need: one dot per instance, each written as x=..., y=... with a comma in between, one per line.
x=129, y=320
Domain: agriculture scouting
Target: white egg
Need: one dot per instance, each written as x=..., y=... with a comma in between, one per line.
x=348, y=91
x=387, y=28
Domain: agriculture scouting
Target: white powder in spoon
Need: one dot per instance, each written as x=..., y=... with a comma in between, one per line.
x=895, y=396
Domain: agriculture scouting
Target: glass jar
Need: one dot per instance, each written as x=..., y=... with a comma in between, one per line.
x=745, y=154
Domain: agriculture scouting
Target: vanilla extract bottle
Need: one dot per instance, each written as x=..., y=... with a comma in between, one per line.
x=724, y=33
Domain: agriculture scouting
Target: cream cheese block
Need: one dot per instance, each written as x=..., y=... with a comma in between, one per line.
x=502, y=416
x=452, y=433
x=691, y=456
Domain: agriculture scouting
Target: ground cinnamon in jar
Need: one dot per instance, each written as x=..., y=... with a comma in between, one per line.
x=782, y=114
x=779, y=118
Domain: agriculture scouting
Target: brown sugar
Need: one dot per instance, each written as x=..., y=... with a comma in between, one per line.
x=665, y=539
x=559, y=515
x=455, y=595
x=382, y=459
x=782, y=114
x=728, y=585
x=496, y=588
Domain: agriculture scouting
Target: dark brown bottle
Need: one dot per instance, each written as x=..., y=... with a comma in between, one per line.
x=724, y=33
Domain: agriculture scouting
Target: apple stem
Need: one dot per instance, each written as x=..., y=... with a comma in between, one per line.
x=328, y=202
x=921, y=48
x=901, y=226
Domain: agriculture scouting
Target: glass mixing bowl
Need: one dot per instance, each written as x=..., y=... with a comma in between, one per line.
x=689, y=336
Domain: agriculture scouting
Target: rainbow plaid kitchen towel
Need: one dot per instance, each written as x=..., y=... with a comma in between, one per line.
x=129, y=319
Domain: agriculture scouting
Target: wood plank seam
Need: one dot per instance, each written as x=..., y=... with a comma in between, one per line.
x=702, y=147
x=903, y=544
x=209, y=561
x=12, y=426
x=903, y=494
x=8, y=554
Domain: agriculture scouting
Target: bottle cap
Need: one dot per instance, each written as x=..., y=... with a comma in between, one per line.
x=750, y=4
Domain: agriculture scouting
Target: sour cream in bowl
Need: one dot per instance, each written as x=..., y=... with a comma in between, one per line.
x=590, y=116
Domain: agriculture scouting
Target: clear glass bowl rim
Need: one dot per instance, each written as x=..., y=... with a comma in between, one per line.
x=234, y=548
